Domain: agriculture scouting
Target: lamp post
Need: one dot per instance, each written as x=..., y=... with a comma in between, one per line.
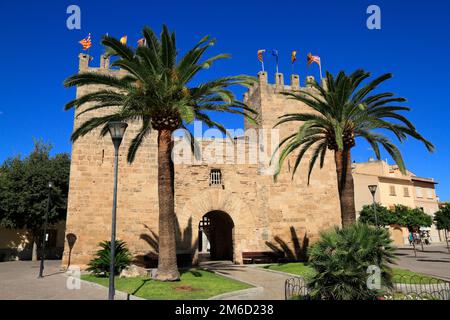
x=41, y=267
x=117, y=131
x=373, y=190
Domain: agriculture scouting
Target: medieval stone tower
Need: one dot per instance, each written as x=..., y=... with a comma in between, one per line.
x=226, y=209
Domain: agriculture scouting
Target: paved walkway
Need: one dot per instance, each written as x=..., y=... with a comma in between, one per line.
x=434, y=260
x=269, y=285
x=18, y=280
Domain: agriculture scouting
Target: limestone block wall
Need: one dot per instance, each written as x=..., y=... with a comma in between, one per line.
x=261, y=209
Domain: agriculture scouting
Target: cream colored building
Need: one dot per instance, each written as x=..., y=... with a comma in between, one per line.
x=15, y=244
x=395, y=188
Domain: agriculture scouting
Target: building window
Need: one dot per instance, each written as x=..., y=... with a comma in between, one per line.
x=215, y=177
x=419, y=193
x=406, y=191
x=392, y=191
x=430, y=194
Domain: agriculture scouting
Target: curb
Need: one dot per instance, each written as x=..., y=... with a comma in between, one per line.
x=282, y=273
x=236, y=294
x=119, y=294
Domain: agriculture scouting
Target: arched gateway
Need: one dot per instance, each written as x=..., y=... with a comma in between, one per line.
x=215, y=236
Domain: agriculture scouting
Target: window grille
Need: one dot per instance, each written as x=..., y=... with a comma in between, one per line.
x=215, y=177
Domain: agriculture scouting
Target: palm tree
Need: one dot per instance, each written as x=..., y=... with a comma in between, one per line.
x=156, y=91
x=340, y=113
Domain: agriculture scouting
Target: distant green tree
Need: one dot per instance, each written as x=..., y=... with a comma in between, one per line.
x=24, y=190
x=442, y=221
x=384, y=216
x=412, y=219
x=442, y=218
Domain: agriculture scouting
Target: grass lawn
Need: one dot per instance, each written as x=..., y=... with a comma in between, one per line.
x=302, y=269
x=195, y=284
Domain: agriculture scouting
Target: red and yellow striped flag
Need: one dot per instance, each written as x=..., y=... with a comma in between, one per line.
x=141, y=42
x=294, y=56
x=311, y=59
x=86, y=42
x=260, y=54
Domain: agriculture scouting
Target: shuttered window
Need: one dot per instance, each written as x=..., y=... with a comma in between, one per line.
x=392, y=190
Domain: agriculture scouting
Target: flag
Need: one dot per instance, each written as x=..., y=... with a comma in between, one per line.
x=86, y=42
x=141, y=42
x=311, y=59
x=294, y=56
x=123, y=40
x=260, y=54
x=275, y=54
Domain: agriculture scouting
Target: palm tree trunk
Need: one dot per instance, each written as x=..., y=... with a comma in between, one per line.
x=167, y=257
x=345, y=186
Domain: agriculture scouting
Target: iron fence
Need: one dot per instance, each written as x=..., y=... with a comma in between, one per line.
x=405, y=288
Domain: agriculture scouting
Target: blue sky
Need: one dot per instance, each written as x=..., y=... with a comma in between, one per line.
x=39, y=52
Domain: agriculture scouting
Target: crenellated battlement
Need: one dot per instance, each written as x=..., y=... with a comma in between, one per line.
x=83, y=64
x=279, y=85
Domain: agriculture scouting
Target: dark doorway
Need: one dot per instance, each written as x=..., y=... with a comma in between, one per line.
x=218, y=228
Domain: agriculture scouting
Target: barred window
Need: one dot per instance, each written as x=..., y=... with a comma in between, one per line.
x=215, y=177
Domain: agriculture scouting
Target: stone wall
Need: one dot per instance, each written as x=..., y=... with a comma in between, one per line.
x=260, y=208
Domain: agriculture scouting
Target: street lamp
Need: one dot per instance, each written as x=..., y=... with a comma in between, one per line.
x=44, y=238
x=117, y=131
x=373, y=190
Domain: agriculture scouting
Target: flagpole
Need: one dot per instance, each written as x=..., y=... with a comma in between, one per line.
x=262, y=65
x=320, y=69
x=277, y=63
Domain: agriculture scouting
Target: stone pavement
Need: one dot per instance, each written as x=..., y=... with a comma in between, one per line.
x=434, y=260
x=18, y=281
x=268, y=285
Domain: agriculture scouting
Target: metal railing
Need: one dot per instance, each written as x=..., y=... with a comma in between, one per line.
x=405, y=288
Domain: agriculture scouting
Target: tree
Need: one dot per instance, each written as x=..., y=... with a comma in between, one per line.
x=157, y=90
x=24, y=190
x=384, y=216
x=412, y=219
x=341, y=112
x=442, y=221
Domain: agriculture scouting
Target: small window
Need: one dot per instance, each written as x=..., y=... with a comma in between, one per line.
x=430, y=194
x=215, y=177
x=419, y=193
x=392, y=191
x=406, y=191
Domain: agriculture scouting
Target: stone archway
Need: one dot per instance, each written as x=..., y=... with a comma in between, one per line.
x=215, y=200
x=216, y=228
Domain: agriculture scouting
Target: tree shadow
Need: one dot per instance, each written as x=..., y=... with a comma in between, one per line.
x=184, y=244
x=298, y=252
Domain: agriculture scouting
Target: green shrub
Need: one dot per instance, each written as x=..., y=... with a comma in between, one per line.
x=99, y=265
x=341, y=259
